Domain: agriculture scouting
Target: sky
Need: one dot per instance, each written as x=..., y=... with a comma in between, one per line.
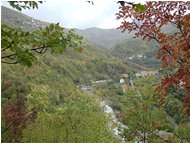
x=77, y=13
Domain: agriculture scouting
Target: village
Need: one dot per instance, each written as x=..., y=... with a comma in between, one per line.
x=33, y=23
x=124, y=80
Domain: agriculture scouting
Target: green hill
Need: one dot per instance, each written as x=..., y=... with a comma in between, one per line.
x=93, y=63
x=121, y=45
x=107, y=38
x=50, y=87
x=18, y=19
x=45, y=103
x=137, y=51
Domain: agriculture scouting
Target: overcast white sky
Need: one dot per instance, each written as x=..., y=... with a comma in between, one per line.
x=77, y=13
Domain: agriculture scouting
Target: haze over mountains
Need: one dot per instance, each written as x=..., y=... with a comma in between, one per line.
x=103, y=92
x=93, y=63
x=119, y=45
x=106, y=38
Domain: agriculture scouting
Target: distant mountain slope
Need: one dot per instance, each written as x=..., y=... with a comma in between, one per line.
x=137, y=51
x=140, y=51
x=93, y=63
x=133, y=47
x=18, y=19
x=104, y=37
x=109, y=38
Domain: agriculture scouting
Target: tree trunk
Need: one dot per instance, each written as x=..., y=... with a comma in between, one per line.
x=144, y=137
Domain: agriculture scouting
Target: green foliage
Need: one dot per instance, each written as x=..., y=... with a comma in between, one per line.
x=19, y=5
x=111, y=69
x=139, y=108
x=59, y=104
x=65, y=114
x=19, y=46
x=50, y=84
x=16, y=117
x=108, y=90
x=140, y=8
x=142, y=115
x=75, y=120
x=173, y=105
x=134, y=47
x=183, y=132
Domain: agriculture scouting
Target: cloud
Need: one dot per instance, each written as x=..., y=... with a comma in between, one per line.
x=109, y=22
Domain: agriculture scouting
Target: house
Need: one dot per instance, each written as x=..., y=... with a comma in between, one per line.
x=125, y=75
x=122, y=81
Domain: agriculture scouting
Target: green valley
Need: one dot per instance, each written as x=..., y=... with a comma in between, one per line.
x=104, y=92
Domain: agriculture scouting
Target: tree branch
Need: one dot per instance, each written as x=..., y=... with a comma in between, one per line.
x=6, y=62
x=177, y=25
x=43, y=47
x=151, y=132
x=7, y=46
x=8, y=56
x=42, y=51
x=167, y=50
x=7, y=128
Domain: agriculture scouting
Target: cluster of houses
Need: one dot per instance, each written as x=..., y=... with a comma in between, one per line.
x=139, y=74
x=139, y=56
x=124, y=77
x=33, y=23
x=146, y=73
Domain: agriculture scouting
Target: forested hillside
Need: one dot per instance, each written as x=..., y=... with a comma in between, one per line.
x=107, y=38
x=139, y=52
x=93, y=56
x=15, y=18
x=104, y=38
x=49, y=89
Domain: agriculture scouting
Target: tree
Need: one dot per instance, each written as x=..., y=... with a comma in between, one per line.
x=19, y=5
x=183, y=132
x=174, y=50
x=74, y=121
x=173, y=105
x=19, y=46
x=143, y=116
x=16, y=116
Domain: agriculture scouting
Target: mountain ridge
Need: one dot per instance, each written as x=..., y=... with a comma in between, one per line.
x=106, y=38
x=119, y=45
x=94, y=63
